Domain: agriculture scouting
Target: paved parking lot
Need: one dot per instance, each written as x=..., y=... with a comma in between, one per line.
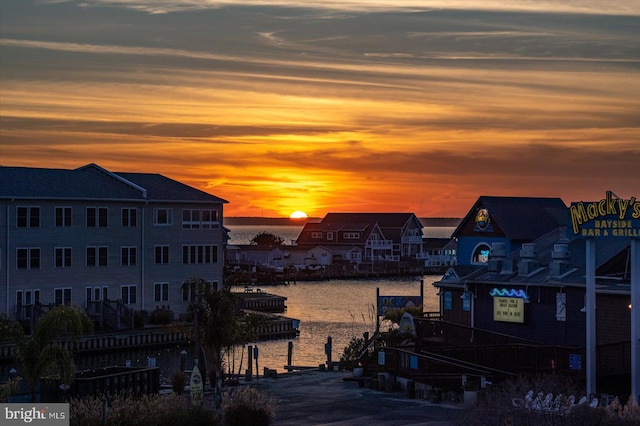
x=316, y=397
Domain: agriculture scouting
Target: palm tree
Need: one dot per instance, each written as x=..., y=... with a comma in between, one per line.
x=42, y=355
x=215, y=323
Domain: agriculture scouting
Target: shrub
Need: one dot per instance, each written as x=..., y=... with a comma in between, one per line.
x=178, y=381
x=351, y=353
x=248, y=406
x=151, y=410
x=161, y=317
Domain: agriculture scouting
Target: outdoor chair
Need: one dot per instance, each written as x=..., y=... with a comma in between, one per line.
x=557, y=404
x=536, y=404
x=546, y=403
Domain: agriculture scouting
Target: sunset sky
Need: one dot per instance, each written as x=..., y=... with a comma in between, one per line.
x=330, y=106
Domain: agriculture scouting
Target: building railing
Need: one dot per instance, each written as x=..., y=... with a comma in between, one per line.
x=411, y=239
x=381, y=244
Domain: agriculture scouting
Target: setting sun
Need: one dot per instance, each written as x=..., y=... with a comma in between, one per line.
x=298, y=214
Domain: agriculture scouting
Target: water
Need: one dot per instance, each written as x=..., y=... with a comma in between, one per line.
x=242, y=234
x=342, y=309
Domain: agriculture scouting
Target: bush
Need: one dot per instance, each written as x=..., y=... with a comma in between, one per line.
x=178, y=381
x=161, y=317
x=151, y=410
x=248, y=406
x=495, y=407
x=351, y=353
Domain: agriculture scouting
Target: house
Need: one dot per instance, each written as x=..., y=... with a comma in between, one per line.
x=366, y=237
x=109, y=242
x=530, y=292
x=439, y=253
x=508, y=220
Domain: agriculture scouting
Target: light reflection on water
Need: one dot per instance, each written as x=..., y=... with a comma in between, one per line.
x=342, y=309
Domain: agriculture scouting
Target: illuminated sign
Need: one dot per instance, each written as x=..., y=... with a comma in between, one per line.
x=508, y=309
x=387, y=303
x=608, y=218
x=508, y=292
x=483, y=220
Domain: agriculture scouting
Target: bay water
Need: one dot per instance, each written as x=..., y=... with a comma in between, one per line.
x=340, y=309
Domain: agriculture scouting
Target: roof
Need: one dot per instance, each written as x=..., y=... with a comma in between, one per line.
x=611, y=256
x=94, y=182
x=436, y=243
x=521, y=218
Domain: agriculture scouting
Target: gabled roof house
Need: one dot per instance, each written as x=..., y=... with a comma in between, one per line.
x=380, y=236
x=508, y=220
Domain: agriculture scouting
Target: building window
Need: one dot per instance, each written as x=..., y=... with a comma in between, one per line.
x=63, y=257
x=25, y=300
x=316, y=235
x=162, y=255
x=28, y=217
x=196, y=219
x=162, y=217
x=96, y=294
x=199, y=254
x=97, y=217
x=481, y=254
x=63, y=216
x=97, y=256
x=209, y=219
x=190, y=219
x=351, y=235
x=329, y=235
x=128, y=294
x=62, y=296
x=161, y=292
x=128, y=256
x=28, y=258
x=129, y=217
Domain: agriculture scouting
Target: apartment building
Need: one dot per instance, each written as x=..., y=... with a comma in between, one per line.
x=108, y=242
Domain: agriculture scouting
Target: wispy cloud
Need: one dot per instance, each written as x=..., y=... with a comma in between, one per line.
x=322, y=108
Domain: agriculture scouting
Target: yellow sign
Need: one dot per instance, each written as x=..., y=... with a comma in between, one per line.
x=611, y=217
x=508, y=309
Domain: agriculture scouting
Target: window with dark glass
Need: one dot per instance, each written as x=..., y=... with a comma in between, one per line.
x=63, y=216
x=28, y=217
x=97, y=217
x=128, y=256
x=62, y=296
x=161, y=292
x=63, y=257
x=128, y=294
x=162, y=255
x=129, y=218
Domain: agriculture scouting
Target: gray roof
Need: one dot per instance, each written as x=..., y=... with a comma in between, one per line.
x=95, y=183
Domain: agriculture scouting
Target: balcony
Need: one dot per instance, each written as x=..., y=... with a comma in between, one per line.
x=379, y=244
x=407, y=239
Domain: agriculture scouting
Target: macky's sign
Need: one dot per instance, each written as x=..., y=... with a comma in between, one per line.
x=611, y=217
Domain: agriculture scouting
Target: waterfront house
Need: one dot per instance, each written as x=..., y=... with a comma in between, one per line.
x=508, y=220
x=439, y=253
x=366, y=237
x=113, y=243
x=524, y=307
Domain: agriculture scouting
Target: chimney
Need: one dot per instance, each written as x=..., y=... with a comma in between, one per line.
x=560, y=260
x=496, y=257
x=528, y=259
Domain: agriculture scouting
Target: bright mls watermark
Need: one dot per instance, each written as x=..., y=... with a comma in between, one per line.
x=39, y=414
